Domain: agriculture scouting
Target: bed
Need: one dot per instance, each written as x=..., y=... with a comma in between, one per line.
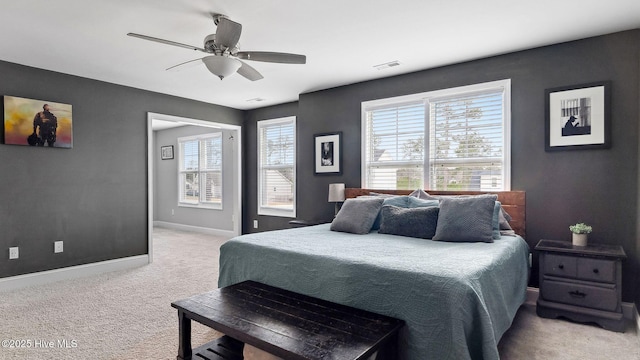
x=457, y=298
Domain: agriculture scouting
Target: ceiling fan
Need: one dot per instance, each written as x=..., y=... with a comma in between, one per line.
x=225, y=55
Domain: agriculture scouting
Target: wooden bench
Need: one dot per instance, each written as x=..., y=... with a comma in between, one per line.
x=283, y=323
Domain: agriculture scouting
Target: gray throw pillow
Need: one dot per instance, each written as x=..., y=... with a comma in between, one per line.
x=395, y=200
x=357, y=215
x=495, y=222
x=504, y=219
x=413, y=202
x=466, y=219
x=421, y=194
x=418, y=222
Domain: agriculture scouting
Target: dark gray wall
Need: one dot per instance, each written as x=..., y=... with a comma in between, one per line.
x=637, y=257
x=94, y=196
x=250, y=177
x=599, y=187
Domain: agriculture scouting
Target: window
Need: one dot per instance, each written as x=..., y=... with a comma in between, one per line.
x=453, y=139
x=200, y=178
x=277, y=167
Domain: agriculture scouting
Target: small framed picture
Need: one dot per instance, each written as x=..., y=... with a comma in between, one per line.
x=328, y=153
x=166, y=152
x=578, y=117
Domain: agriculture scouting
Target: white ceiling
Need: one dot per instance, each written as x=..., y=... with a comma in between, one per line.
x=342, y=39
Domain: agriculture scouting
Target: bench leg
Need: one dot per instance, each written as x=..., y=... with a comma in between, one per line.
x=388, y=350
x=184, y=337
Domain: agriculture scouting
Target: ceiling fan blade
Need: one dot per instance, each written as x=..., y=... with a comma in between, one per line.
x=249, y=72
x=274, y=57
x=185, y=65
x=167, y=42
x=228, y=33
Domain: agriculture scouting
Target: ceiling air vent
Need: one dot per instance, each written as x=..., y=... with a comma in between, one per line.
x=387, y=65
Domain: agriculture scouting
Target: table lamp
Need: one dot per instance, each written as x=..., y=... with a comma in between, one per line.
x=336, y=195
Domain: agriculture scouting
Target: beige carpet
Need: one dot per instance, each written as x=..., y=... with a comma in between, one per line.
x=128, y=314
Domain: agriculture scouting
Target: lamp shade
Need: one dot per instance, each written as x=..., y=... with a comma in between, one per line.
x=336, y=192
x=221, y=66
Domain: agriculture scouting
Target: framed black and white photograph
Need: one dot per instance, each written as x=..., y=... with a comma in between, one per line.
x=166, y=152
x=578, y=117
x=328, y=154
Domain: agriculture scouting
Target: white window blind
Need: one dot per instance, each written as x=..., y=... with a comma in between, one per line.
x=276, y=167
x=200, y=182
x=467, y=143
x=394, y=146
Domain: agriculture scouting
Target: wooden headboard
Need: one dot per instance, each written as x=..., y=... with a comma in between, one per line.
x=513, y=202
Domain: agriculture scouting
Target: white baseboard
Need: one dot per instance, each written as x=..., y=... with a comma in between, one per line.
x=532, y=296
x=72, y=272
x=628, y=310
x=637, y=324
x=197, y=229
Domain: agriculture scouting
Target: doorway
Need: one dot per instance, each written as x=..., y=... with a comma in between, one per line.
x=232, y=188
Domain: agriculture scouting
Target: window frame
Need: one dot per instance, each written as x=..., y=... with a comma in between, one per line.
x=427, y=98
x=200, y=203
x=268, y=210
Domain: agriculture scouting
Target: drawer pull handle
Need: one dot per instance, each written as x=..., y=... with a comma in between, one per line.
x=595, y=271
x=560, y=266
x=577, y=294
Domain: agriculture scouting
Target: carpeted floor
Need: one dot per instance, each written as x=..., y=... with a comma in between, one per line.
x=128, y=314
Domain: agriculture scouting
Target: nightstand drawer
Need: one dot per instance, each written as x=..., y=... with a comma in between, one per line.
x=597, y=270
x=560, y=265
x=595, y=297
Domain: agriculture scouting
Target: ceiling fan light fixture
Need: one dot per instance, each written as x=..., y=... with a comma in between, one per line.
x=224, y=55
x=221, y=66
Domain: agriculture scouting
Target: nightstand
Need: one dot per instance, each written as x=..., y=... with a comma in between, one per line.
x=581, y=283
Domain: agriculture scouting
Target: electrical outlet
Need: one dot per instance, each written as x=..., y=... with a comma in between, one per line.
x=255, y=224
x=173, y=212
x=58, y=247
x=13, y=253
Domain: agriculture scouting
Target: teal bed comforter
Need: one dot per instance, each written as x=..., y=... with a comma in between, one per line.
x=457, y=299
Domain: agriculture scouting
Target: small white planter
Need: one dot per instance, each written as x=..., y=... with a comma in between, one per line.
x=579, y=239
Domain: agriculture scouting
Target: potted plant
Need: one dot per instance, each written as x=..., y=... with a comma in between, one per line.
x=580, y=231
